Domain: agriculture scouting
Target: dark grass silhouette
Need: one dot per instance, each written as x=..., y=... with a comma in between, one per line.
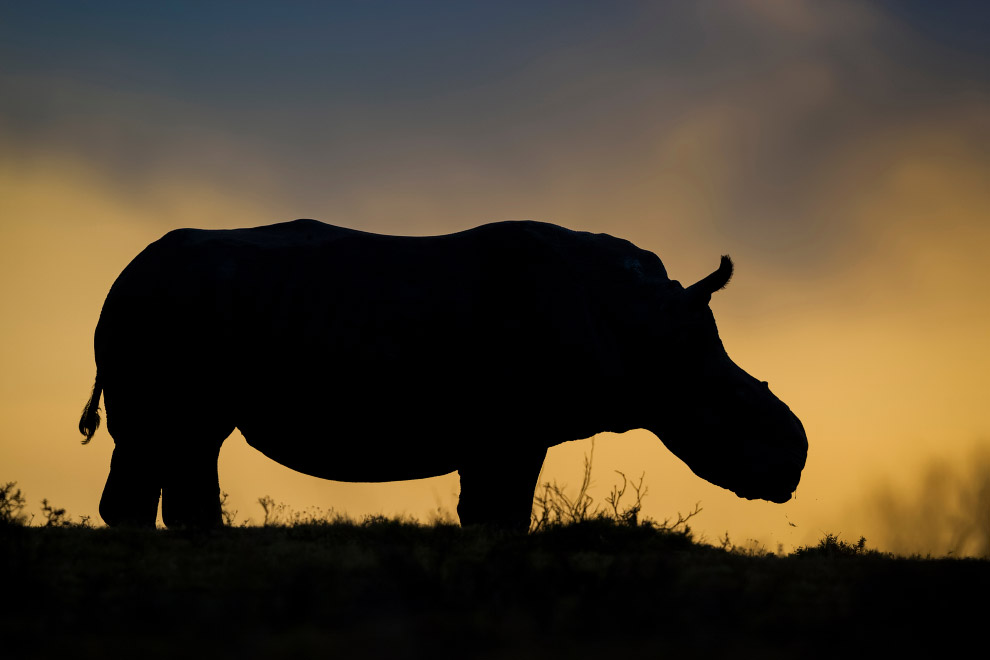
x=602, y=584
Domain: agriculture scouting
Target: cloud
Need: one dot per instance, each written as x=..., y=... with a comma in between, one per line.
x=717, y=119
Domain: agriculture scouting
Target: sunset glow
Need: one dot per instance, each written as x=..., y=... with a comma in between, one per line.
x=840, y=152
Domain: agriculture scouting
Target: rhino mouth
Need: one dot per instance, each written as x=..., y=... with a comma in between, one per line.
x=774, y=469
x=771, y=479
x=777, y=485
x=758, y=486
x=777, y=497
x=766, y=480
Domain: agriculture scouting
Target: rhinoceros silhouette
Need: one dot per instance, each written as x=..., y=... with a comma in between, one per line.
x=361, y=357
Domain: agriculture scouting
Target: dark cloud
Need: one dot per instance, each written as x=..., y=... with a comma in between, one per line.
x=752, y=109
x=960, y=26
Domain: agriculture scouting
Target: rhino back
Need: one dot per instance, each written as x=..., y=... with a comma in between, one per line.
x=314, y=329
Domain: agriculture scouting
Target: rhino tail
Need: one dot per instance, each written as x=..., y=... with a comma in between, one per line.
x=90, y=420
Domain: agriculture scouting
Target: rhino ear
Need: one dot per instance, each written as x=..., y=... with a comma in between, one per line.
x=705, y=287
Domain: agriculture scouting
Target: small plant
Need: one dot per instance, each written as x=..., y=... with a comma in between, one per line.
x=12, y=506
x=678, y=526
x=752, y=548
x=442, y=517
x=282, y=515
x=554, y=508
x=275, y=514
x=229, y=515
x=630, y=514
x=832, y=546
x=55, y=517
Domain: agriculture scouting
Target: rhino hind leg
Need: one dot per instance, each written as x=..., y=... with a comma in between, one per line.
x=130, y=497
x=163, y=451
x=134, y=485
x=498, y=491
x=191, y=487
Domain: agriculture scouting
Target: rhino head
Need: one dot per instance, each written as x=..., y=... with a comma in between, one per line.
x=726, y=425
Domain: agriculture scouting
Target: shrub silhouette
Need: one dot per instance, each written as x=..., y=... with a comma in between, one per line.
x=54, y=517
x=553, y=508
x=832, y=546
x=12, y=505
x=13, y=502
x=282, y=515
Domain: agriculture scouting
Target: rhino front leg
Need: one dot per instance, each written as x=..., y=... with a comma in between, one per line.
x=498, y=490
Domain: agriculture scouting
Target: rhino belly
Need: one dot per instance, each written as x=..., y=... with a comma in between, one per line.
x=355, y=456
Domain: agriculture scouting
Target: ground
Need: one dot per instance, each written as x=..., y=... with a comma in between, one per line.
x=400, y=590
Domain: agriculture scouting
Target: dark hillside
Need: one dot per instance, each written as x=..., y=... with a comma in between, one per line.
x=396, y=590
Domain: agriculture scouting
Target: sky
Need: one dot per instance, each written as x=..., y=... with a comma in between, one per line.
x=839, y=151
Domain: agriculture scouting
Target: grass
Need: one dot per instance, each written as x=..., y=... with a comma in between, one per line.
x=594, y=580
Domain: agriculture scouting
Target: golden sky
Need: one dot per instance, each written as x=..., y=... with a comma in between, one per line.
x=840, y=152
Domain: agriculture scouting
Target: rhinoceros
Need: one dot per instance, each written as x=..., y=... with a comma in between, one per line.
x=361, y=357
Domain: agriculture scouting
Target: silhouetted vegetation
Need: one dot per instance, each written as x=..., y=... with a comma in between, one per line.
x=595, y=579
x=12, y=505
x=389, y=588
x=832, y=546
x=553, y=507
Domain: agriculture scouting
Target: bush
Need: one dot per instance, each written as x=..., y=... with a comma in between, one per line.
x=12, y=506
x=554, y=508
x=832, y=546
x=282, y=515
x=54, y=517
